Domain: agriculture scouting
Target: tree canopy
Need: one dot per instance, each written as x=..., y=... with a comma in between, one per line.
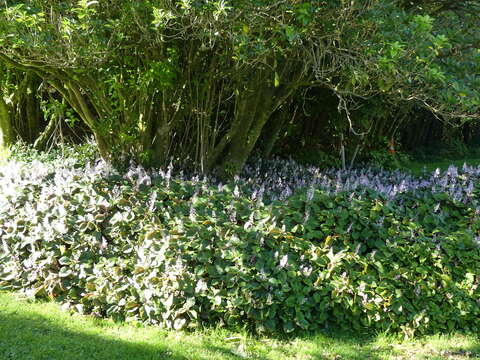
x=203, y=79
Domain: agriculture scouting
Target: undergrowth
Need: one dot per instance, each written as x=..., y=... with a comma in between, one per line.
x=281, y=249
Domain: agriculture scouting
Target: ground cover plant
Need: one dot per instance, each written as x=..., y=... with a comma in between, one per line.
x=40, y=330
x=180, y=214
x=280, y=249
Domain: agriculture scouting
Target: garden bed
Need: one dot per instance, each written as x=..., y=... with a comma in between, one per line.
x=291, y=249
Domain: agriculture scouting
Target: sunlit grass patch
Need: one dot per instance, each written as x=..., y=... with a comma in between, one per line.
x=40, y=330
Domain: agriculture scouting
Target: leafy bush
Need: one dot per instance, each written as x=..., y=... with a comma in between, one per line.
x=79, y=154
x=280, y=250
x=382, y=159
x=376, y=61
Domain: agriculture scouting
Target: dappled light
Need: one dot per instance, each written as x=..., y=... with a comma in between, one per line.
x=292, y=249
x=33, y=330
x=285, y=179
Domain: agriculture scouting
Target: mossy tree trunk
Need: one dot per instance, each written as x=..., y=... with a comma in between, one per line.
x=255, y=103
x=272, y=131
x=28, y=118
x=6, y=133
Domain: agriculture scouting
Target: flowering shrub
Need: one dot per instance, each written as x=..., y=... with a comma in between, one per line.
x=283, y=248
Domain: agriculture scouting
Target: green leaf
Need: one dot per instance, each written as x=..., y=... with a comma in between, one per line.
x=277, y=80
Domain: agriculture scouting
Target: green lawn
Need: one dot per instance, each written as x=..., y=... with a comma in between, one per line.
x=418, y=167
x=38, y=330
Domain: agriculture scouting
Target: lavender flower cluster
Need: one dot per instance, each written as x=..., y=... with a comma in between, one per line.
x=281, y=178
x=263, y=180
x=180, y=221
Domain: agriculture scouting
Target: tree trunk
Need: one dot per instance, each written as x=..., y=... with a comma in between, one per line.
x=275, y=125
x=6, y=133
x=161, y=145
x=255, y=104
x=254, y=112
x=42, y=139
x=33, y=114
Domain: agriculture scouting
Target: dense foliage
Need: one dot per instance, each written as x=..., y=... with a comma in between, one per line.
x=209, y=91
x=213, y=80
x=284, y=250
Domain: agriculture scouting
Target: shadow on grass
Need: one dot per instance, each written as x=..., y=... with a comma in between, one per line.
x=36, y=337
x=469, y=352
x=344, y=345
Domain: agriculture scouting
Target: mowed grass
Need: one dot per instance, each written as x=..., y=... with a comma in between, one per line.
x=40, y=330
x=421, y=167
